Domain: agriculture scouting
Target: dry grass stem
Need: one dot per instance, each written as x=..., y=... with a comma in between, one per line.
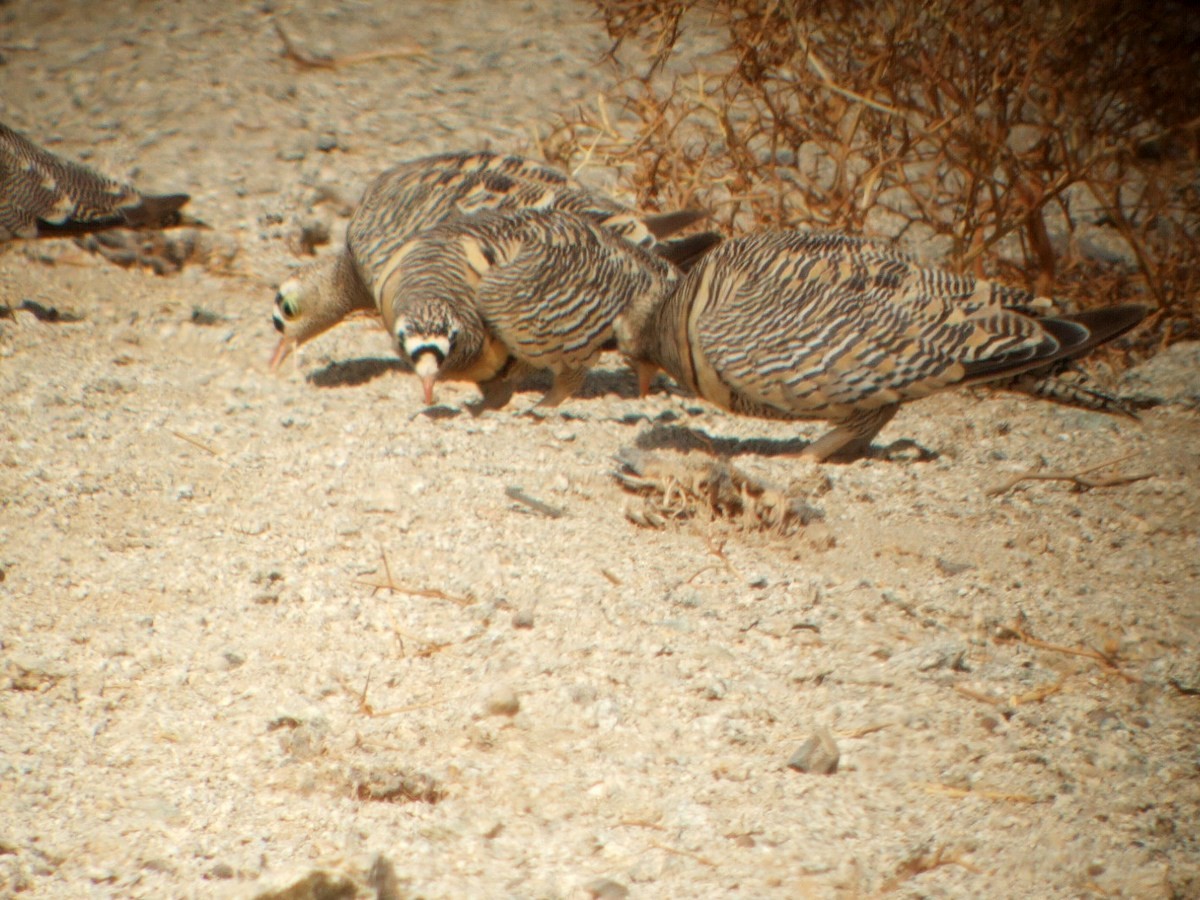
x=684, y=853
x=973, y=694
x=1106, y=661
x=392, y=586
x=947, y=790
x=925, y=862
x=194, y=442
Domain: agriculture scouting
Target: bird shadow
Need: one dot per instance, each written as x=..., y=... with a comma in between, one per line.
x=607, y=382
x=663, y=436
x=599, y=383
x=356, y=372
x=353, y=372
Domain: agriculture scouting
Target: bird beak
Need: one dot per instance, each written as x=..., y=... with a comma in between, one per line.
x=426, y=366
x=286, y=346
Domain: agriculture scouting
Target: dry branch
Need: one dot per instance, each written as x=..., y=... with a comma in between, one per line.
x=1080, y=479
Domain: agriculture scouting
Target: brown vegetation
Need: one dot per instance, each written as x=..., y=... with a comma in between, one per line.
x=986, y=134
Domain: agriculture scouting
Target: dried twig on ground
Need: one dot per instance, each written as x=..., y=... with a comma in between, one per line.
x=193, y=441
x=680, y=490
x=1107, y=661
x=1081, y=479
x=392, y=586
x=308, y=60
x=925, y=861
x=951, y=791
x=514, y=492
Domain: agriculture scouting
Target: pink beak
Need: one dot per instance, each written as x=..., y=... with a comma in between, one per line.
x=427, y=385
x=286, y=345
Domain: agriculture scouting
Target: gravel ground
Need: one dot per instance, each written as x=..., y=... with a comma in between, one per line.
x=204, y=692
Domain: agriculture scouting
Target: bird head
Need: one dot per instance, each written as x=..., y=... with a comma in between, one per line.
x=429, y=343
x=315, y=299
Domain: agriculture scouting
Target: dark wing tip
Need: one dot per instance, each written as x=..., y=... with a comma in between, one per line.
x=663, y=225
x=156, y=211
x=685, y=252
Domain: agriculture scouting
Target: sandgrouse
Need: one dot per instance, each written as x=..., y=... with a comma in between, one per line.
x=797, y=325
x=421, y=193
x=44, y=195
x=486, y=297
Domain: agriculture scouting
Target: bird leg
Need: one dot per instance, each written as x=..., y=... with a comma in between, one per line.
x=852, y=436
x=566, y=384
x=496, y=394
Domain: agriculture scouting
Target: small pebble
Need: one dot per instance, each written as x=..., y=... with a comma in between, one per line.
x=818, y=755
x=502, y=702
x=948, y=567
x=522, y=618
x=221, y=871
x=606, y=889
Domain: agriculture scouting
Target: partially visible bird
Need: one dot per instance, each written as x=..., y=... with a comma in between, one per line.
x=487, y=297
x=44, y=195
x=421, y=193
x=797, y=325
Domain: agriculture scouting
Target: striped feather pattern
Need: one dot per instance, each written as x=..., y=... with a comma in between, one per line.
x=422, y=193
x=805, y=325
x=538, y=289
x=45, y=195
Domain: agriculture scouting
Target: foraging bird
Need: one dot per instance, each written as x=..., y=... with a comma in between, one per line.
x=486, y=297
x=796, y=325
x=421, y=193
x=43, y=195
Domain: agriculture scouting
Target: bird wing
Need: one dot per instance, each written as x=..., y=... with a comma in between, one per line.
x=557, y=284
x=821, y=324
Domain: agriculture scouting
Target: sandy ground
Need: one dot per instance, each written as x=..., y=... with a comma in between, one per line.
x=203, y=694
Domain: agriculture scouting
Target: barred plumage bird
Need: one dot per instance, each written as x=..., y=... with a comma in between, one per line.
x=796, y=325
x=486, y=297
x=44, y=195
x=421, y=193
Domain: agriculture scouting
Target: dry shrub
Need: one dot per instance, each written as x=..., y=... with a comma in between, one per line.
x=1025, y=140
x=675, y=490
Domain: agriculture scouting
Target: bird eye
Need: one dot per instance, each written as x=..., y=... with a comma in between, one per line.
x=286, y=305
x=452, y=335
